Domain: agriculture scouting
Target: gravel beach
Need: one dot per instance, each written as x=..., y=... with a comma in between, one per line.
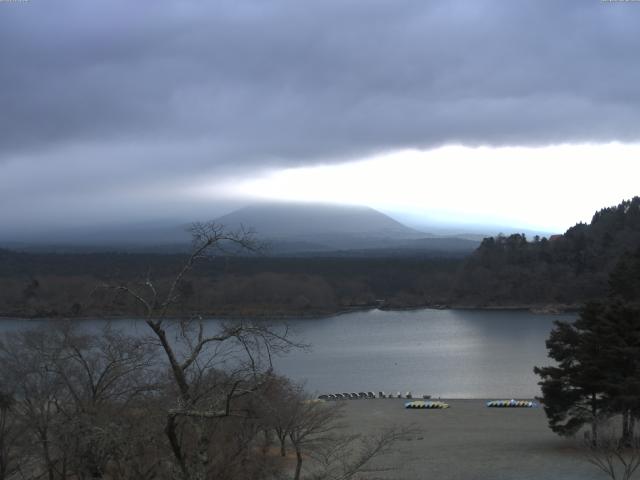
x=469, y=441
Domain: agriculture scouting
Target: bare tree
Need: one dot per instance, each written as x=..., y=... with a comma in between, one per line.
x=347, y=456
x=136, y=436
x=39, y=395
x=313, y=423
x=315, y=430
x=70, y=392
x=280, y=404
x=10, y=433
x=103, y=374
x=243, y=350
x=618, y=458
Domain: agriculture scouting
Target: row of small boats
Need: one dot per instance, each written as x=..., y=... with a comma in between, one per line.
x=368, y=395
x=492, y=404
x=347, y=396
x=423, y=404
x=511, y=404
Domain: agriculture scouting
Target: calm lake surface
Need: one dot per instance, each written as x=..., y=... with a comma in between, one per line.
x=446, y=353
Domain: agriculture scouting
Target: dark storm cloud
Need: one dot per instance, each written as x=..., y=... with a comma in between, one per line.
x=98, y=95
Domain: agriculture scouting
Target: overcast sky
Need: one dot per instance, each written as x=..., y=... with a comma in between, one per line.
x=122, y=110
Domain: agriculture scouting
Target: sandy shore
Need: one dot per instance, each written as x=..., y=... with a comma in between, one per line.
x=471, y=442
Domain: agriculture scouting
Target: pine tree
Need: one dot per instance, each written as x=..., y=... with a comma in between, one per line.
x=621, y=357
x=624, y=281
x=598, y=370
x=574, y=390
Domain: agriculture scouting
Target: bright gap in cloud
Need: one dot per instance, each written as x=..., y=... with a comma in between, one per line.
x=545, y=188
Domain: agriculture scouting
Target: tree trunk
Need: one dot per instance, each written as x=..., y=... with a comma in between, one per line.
x=594, y=421
x=268, y=440
x=44, y=439
x=174, y=442
x=627, y=429
x=203, y=451
x=178, y=373
x=283, y=448
x=298, y=464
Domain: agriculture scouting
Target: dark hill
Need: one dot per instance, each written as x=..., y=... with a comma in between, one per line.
x=566, y=269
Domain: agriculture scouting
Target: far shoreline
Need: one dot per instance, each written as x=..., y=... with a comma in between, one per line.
x=538, y=309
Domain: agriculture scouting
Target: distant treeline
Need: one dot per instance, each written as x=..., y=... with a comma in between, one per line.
x=504, y=271
x=69, y=285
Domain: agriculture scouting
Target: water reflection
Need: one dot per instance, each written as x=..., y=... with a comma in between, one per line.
x=448, y=353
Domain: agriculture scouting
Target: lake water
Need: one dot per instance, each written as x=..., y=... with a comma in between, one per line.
x=446, y=353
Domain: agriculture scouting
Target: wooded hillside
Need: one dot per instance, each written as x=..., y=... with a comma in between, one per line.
x=565, y=269
x=505, y=271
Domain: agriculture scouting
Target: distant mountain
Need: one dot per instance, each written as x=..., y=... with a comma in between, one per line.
x=289, y=220
x=314, y=229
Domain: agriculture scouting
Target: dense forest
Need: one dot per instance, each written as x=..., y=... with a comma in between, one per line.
x=564, y=269
x=505, y=271
x=68, y=285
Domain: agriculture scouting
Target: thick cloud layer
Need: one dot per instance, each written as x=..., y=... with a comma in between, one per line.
x=108, y=96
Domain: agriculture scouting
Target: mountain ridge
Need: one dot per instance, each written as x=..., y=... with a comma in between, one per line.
x=277, y=220
x=300, y=228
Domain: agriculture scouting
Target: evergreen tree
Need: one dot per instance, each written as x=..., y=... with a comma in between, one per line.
x=621, y=357
x=574, y=390
x=624, y=281
x=598, y=369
